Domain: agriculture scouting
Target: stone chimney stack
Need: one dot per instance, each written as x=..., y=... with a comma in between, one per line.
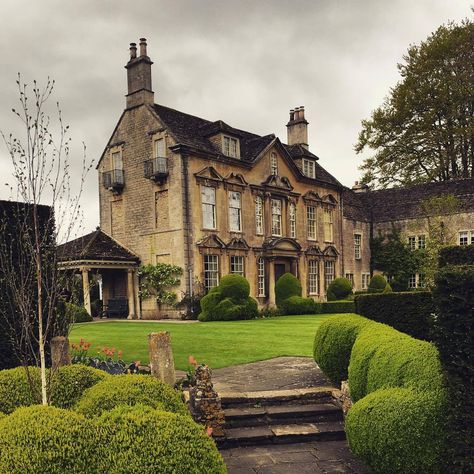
x=139, y=77
x=297, y=128
x=359, y=187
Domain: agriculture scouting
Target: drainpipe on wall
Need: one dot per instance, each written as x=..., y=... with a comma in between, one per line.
x=341, y=226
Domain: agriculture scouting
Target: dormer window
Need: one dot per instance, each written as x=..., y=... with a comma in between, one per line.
x=273, y=164
x=230, y=146
x=309, y=168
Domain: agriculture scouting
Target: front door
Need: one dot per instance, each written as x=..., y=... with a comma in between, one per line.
x=280, y=269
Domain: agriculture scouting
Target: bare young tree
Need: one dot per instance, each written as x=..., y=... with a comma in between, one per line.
x=49, y=213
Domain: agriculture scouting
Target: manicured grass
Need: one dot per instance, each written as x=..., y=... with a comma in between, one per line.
x=218, y=344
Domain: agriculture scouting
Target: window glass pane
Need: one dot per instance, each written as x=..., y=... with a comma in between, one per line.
x=259, y=215
x=208, y=199
x=261, y=277
x=311, y=218
x=273, y=163
x=211, y=271
x=160, y=148
x=463, y=238
x=357, y=246
x=412, y=281
x=421, y=242
x=328, y=225
x=313, y=277
x=328, y=273
x=292, y=211
x=117, y=160
x=234, y=211
x=276, y=217
x=237, y=265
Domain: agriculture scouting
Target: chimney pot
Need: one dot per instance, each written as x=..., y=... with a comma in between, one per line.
x=297, y=128
x=302, y=112
x=133, y=50
x=143, y=47
x=292, y=115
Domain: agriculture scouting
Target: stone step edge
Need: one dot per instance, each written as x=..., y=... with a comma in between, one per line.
x=278, y=395
x=282, y=411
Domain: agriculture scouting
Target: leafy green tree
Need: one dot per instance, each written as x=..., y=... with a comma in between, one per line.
x=156, y=280
x=424, y=130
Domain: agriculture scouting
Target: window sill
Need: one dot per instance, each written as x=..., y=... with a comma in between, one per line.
x=206, y=229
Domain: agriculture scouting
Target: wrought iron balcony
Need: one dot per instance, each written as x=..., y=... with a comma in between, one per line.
x=157, y=169
x=113, y=180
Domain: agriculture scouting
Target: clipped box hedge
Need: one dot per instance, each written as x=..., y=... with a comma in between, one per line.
x=130, y=390
x=143, y=440
x=334, y=307
x=15, y=390
x=397, y=424
x=408, y=312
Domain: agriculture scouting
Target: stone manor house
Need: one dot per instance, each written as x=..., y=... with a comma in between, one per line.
x=213, y=199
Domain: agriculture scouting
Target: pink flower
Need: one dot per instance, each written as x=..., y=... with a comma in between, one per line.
x=192, y=361
x=209, y=431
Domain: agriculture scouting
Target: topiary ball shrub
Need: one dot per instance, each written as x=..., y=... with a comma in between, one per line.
x=286, y=286
x=77, y=314
x=70, y=381
x=15, y=390
x=129, y=390
x=46, y=439
x=339, y=289
x=140, y=439
x=299, y=305
x=377, y=284
x=229, y=301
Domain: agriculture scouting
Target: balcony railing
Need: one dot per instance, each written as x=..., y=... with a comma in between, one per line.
x=157, y=169
x=113, y=180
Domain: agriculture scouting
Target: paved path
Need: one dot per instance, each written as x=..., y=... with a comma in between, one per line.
x=283, y=373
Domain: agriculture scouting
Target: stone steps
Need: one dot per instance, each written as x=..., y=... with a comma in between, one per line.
x=283, y=416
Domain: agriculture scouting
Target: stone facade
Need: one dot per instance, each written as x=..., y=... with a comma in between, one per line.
x=212, y=199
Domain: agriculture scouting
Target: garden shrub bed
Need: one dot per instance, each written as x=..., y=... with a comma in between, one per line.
x=409, y=312
x=456, y=255
x=397, y=422
x=295, y=305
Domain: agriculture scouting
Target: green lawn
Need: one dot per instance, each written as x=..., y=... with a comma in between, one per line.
x=218, y=344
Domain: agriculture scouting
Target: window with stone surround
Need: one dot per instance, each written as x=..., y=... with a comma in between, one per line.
x=235, y=215
x=313, y=277
x=357, y=246
x=259, y=215
x=412, y=242
x=208, y=203
x=273, y=163
x=276, y=217
x=311, y=222
x=350, y=277
x=292, y=218
x=261, y=277
x=309, y=168
x=421, y=241
x=328, y=225
x=328, y=273
x=211, y=271
x=365, y=281
x=237, y=265
x=466, y=237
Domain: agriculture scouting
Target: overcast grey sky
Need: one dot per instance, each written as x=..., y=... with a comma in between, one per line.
x=245, y=62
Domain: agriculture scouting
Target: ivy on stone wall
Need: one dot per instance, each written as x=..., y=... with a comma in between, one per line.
x=157, y=281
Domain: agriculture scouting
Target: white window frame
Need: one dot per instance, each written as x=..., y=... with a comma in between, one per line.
x=259, y=215
x=365, y=279
x=468, y=235
x=273, y=163
x=230, y=146
x=235, y=211
x=276, y=217
x=328, y=217
x=313, y=277
x=412, y=281
x=208, y=207
x=309, y=168
x=292, y=219
x=311, y=222
x=211, y=271
x=329, y=275
x=421, y=244
x=358, y=246
x=261, y=277
x=237, y=265
x=350, y=277
x=412, y=242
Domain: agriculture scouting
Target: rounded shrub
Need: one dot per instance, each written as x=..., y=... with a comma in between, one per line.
x=339, y=289
x=46, y=439
x=333, y=344
x=70, y=381
x=77, y=314
x=377, y=284
x=19, y=388
x=129, y=390
x=286, y=286
x=388, y=289
x=235, y=287
x=140, y=439
x=398, y=430
x=229, y=301
x=299, y=305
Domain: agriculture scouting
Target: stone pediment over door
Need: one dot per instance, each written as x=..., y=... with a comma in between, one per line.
x=281, y=246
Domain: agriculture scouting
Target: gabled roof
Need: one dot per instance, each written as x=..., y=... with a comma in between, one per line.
x=95, y=246
x=405, y=203
x=195, y=133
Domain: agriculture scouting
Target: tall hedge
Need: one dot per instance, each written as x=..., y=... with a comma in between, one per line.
x=456, y=255
x=409, y=312
x=454, y=336
x=397, y=424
